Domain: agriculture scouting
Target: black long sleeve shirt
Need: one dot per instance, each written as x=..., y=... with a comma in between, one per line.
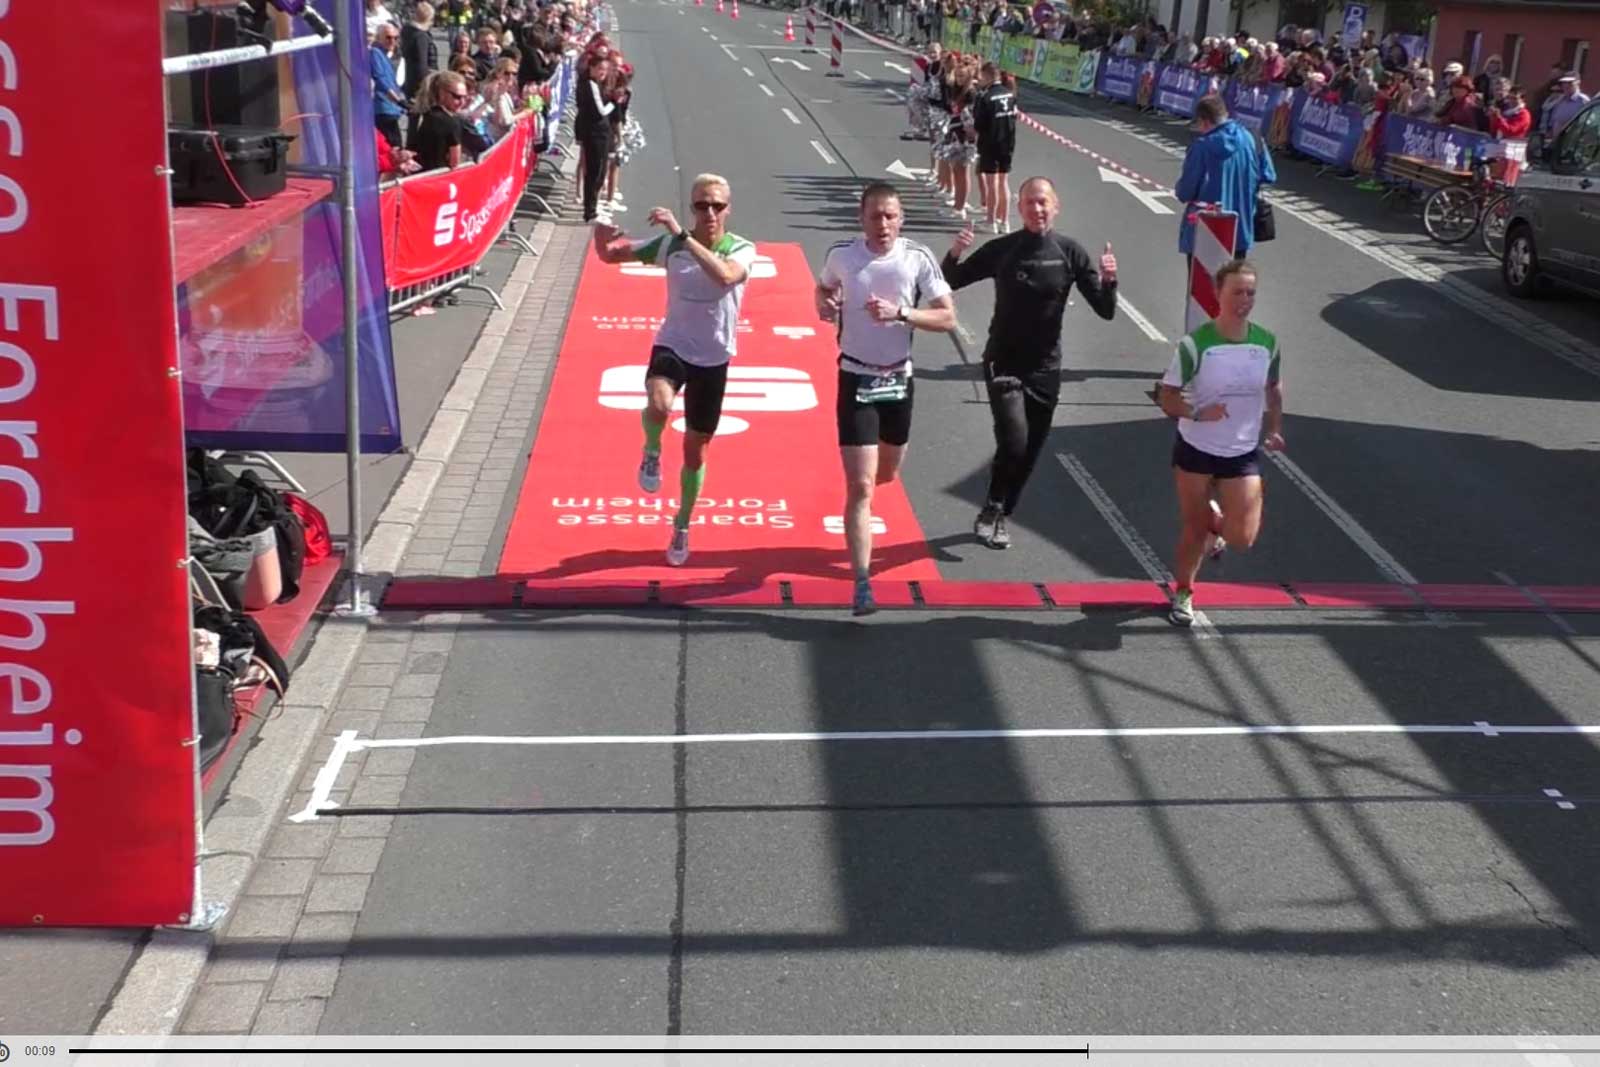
x=1033, y=274
x=995, y=113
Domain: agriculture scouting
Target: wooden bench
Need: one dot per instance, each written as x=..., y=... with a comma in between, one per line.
x=1415, y=171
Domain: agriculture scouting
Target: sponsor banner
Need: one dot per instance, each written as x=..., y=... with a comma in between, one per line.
x=1058, y=66
x=1329, y=132
x=1252, y=105
x=773, y=492
x=272, y=378
x=1178, y=89
x=1016, y=54
x=1120, y=77
x=1444, y=146
x=1088, y=72
x=449, y=218
x=98, y=767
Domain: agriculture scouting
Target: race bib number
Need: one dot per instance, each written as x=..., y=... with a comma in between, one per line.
x=884, y=389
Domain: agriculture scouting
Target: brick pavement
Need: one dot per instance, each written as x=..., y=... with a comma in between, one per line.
x=277, y=959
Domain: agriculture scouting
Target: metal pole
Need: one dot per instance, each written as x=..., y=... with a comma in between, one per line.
x=357, y=604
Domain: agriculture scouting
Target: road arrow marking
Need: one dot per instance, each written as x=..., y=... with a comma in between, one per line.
x=1148, y=199
x=900, y=170
x=895, y=66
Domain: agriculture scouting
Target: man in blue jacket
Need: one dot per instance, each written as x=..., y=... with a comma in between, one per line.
x=1223, y=166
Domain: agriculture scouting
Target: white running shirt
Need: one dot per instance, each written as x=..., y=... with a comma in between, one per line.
x=907, y=274
x=702, y=324
x=1210, y=369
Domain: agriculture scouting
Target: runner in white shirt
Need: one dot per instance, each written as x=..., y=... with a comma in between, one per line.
x=1224, y=383
x=707, y=268
x=879, y=288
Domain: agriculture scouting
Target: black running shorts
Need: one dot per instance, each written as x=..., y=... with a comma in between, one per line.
x=994, y=159
x=883, y=422
x=1188, y=458
x=702, y=387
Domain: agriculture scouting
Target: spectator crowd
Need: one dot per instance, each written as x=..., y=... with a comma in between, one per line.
x=439, y=106
x=1375, y=74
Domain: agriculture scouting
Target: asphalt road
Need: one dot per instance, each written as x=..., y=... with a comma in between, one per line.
x=1319, y=880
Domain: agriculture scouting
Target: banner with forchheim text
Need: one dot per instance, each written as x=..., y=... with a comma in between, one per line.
x=98, y=769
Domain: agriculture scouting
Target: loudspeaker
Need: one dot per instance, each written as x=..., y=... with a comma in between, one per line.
x=244, y=94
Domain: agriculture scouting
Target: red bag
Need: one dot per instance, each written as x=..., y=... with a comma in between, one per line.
x=319, y=543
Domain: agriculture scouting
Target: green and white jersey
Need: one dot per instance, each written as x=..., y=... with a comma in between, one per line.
x=702, y=324
x=1210, y=369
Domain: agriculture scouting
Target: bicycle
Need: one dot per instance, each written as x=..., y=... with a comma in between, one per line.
x=1455, y=212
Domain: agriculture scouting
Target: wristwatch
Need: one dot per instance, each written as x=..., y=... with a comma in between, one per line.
x=900, y=313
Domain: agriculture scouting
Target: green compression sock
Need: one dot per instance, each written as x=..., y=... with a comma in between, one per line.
x=689, y=483
x=652, y=432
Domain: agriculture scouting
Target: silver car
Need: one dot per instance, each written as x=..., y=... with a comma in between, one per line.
x=1553, y=233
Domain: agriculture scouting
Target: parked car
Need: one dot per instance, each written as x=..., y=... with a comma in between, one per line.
x=1553, y=232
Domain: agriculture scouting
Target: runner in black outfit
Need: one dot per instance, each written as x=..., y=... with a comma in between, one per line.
x=1033, y=270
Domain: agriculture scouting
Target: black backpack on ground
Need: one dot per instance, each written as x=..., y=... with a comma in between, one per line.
x=228, y=506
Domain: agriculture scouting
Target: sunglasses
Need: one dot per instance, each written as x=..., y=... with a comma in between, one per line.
x=710, y=205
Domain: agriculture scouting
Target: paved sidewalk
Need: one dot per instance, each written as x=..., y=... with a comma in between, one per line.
x=275, y=964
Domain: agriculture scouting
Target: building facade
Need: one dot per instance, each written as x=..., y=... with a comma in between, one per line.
x=1529, y=36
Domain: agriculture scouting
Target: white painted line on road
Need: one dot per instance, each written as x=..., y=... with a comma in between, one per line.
x=896, y=94
x=1544, y=606
x=1065, y=733
x=748, y=71
x=713, y=37
x=858, y=74
x=1341, y=518
x=1143, y=554
x=1138, y=319
x=1564, y=805
x=704, y=29
x=1146, y=556
x=823, y=152
x=322, y=785
x=766, y=90
x=728, y=51
x=791, y=116
x=1486, y=729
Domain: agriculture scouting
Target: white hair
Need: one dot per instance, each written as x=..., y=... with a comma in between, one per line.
x=703, y=180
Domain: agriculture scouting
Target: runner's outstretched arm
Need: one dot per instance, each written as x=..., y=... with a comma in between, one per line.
x=613, y=246
x=1100, y=292
x=980, y=265
x=725, y=272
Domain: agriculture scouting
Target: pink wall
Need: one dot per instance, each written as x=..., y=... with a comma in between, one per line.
x=1543, y=31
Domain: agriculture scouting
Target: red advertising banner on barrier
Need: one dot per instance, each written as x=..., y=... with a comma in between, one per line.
x=449, y=218
x=97, y=766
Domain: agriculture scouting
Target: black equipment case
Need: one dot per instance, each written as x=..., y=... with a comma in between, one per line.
x=256, y=157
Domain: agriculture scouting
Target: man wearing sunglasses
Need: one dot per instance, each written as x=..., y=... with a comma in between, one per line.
x=706, y=272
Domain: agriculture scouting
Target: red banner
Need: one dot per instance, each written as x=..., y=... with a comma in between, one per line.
x=97, y=766
x=449, y=218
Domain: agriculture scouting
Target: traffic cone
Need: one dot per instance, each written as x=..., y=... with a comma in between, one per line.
x=735, y=9
x=719, y=7
x=788, y=28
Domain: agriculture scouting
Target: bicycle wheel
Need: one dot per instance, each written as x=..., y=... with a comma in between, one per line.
x=1450, y=214
x=1496, y=214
